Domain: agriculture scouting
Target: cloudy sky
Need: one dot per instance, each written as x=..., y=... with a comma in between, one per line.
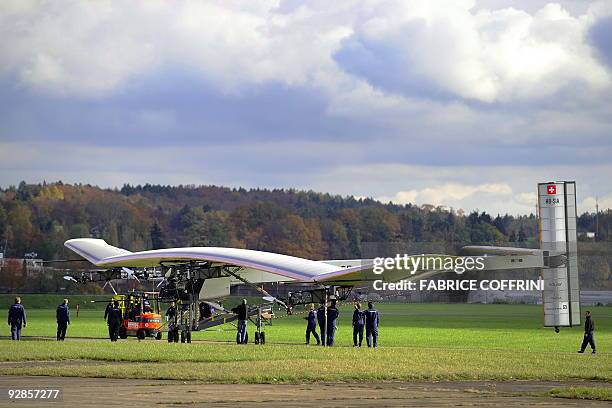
x=461, y=103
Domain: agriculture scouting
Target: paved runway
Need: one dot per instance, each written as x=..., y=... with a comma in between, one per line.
x=94, y=392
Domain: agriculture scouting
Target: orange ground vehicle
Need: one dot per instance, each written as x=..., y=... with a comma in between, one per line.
x=141, y=315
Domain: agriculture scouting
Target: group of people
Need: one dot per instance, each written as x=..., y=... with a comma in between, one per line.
x=17, y=319
x=362, y=319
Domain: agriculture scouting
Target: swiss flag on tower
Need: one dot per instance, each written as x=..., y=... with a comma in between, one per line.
x=551, y=189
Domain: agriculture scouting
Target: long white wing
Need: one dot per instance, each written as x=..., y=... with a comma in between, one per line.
x=283, y=267
x=94, y=250
x=256, y=266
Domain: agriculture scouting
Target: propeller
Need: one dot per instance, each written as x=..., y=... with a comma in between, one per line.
x=111, y=286
x=273, y=299
x=216, y=306
x=130, y=273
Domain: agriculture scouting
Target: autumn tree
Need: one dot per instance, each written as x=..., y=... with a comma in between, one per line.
x=158, y=240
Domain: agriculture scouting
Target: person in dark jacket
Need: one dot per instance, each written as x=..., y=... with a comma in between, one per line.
x=206, y=311
x=358, y=324
x=242, y=311
x=146, y=304
x=321, y=320
x=332, y=317
x=311, y=325
x=16, y=319
x=589, y=328
x=136, y=311
x=372, y=320
x=173, y=329
x=62, y=316
x=114, y=321
x=171, y=312
x=108, y=308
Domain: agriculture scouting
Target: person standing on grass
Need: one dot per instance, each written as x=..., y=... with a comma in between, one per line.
x=589, y=328
x=114, y=321
x=332, y=317
x=171, y=312
x=321, y=320
x=311, y=325
x=243, y=314
x=16, y=318
x=108, y=308
x=62, y=315
x=358, y=324
x=372, y=320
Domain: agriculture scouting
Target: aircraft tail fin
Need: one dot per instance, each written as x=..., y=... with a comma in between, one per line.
x=94, y=250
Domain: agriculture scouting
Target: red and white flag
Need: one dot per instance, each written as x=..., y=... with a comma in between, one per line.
x=551, y=189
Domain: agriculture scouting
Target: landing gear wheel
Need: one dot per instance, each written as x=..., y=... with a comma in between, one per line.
x=256, y=338
x=262, y=338
x=158, y=336
x=140, y=334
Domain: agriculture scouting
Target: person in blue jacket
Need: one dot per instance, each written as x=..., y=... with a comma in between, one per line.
x=589, y=328
x=321, y=320
x=311, y=325
x=115, y=318
x=358, y=324
x=332, y=317
x=62, y=315
x=242, y=311
x=16, y=319
x=372, y=320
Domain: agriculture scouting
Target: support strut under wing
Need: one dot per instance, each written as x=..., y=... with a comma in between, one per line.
x=225, y=318
x=251, y=284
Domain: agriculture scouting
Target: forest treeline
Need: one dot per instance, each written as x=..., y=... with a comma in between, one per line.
x=40, y=217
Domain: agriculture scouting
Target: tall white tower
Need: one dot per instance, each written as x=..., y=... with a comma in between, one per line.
x=557, y=216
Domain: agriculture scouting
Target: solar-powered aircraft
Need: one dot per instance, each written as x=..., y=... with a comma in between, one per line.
x=195, y=274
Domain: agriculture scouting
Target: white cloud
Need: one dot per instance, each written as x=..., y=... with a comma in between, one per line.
x=526, y=199
x=485, y=55
x=422, y=123
x=446, y=193
x=81, y=48
x=590, y=203
x=91, y=48
x=495, y=189
x=511, y=189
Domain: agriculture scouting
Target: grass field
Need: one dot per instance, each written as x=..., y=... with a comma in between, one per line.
x=418, y=341
x=585, y=393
